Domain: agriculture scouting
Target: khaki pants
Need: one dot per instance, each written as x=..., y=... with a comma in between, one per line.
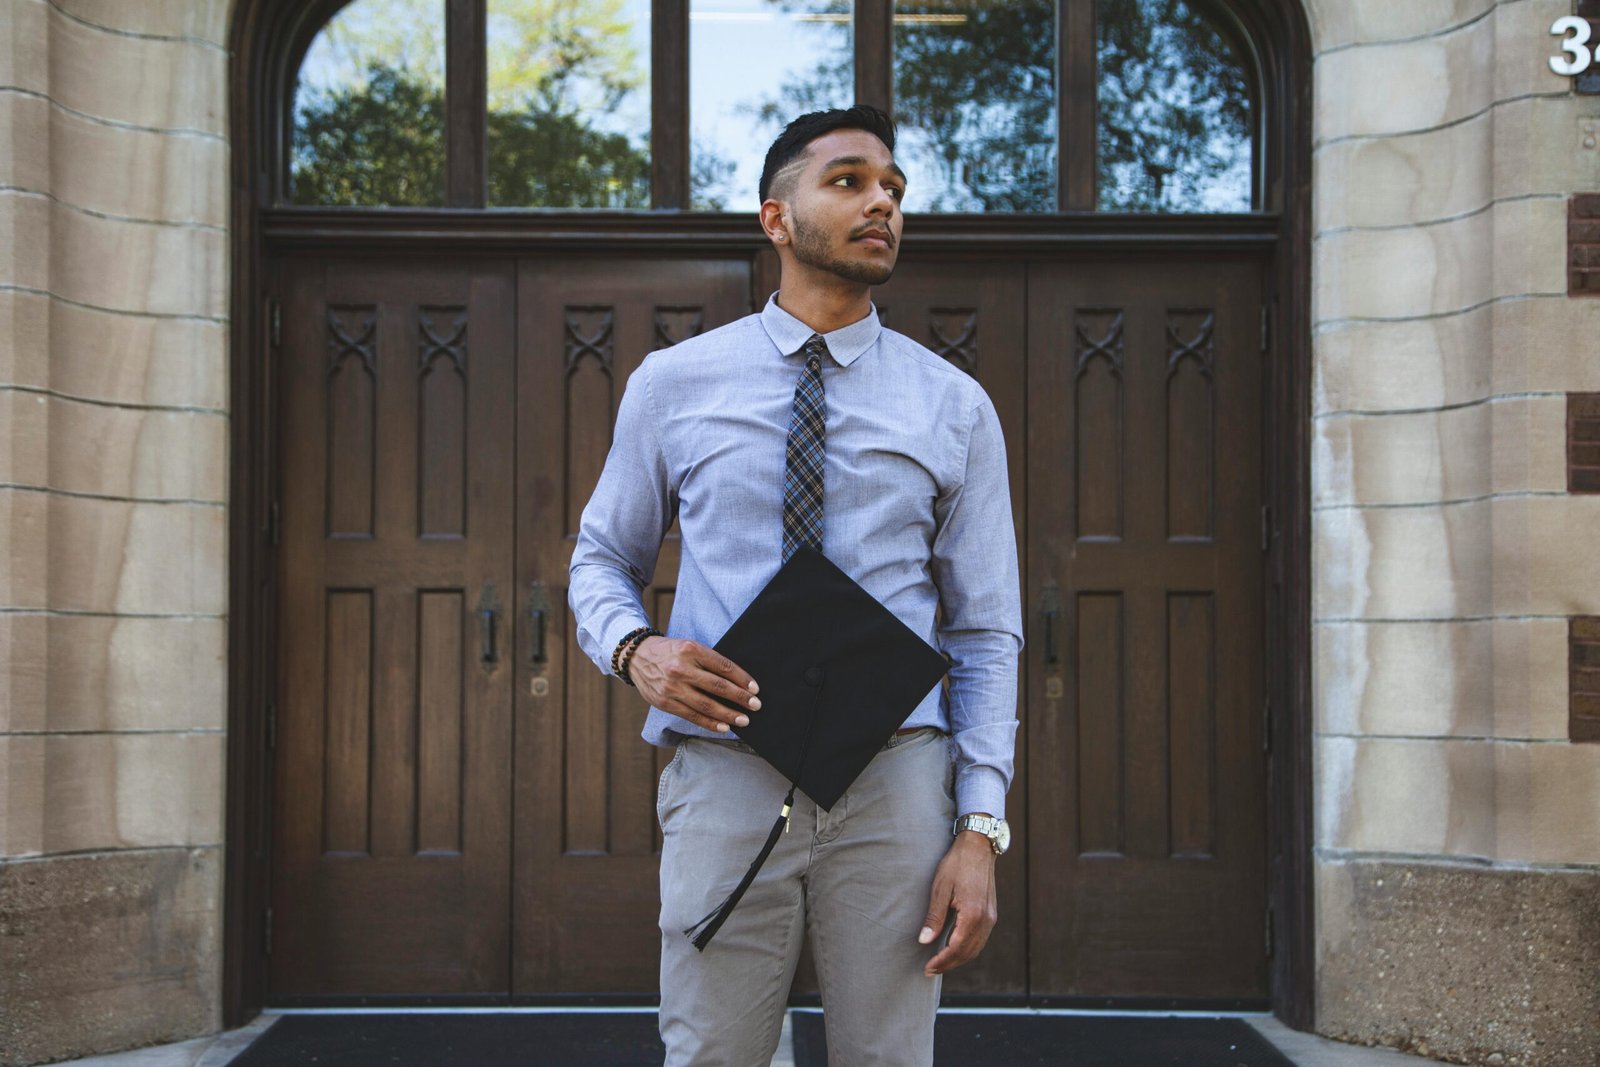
x=854, y=880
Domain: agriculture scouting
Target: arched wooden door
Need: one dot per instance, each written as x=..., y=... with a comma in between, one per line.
x=462, y=807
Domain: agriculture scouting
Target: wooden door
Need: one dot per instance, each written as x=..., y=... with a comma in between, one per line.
x=1147, y=774
x=391, y=871
x=586, y=894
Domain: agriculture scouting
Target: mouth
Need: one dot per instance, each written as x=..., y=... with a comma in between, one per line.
x=878, y=237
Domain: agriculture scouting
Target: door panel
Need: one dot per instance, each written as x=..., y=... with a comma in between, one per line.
x=587, y=845
x=1144, y=489
x=391, y=871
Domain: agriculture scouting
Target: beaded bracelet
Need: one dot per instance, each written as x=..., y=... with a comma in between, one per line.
x=623, y=654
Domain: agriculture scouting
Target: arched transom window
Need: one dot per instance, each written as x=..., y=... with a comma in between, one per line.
x=637, y=104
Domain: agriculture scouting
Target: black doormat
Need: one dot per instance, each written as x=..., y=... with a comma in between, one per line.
x=982, y=1040
x=530, y=1039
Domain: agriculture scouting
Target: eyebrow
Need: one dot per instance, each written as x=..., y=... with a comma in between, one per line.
x=861, y=161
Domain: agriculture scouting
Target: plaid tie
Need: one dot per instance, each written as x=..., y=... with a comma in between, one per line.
x=802, y=467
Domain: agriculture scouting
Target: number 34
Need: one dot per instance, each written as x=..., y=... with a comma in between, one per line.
x=1578, y=56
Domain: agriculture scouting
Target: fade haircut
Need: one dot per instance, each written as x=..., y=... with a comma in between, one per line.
x=797, y=136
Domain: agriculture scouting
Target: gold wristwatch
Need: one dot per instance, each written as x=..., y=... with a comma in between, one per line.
x=996, y=830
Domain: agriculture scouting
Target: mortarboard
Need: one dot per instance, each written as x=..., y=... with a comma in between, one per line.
x=839, y=673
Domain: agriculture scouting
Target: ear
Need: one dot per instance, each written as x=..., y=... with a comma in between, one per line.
x=775, y=221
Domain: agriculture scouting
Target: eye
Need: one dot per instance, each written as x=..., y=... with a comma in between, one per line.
x=843, y=178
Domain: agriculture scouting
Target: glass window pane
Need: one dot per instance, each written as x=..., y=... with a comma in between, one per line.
x=1174, y=108
x=368, y=120
x=974, y=98
x=753, y=66
x=569, y=103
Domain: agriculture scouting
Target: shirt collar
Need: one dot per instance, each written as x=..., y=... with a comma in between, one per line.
x=844, y=344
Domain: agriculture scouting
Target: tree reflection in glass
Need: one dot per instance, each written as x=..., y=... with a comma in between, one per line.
x=753, y=66
x=975, y=101
x=369, y=108
x=1174, y=111
x=569, y=103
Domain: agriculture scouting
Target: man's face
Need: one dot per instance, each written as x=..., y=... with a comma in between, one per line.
x=844, y=213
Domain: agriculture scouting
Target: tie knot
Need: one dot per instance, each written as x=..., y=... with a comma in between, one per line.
x=816, y=348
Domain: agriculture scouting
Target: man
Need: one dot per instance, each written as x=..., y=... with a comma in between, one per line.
x=913, y=504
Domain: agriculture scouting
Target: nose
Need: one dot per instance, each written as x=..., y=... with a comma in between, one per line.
x=882, y=202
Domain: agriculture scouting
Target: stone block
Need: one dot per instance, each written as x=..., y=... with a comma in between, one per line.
x=1413, y=679
x=109, y=951
x=1403, y=458
x=24, y=438
x=1405, y=179
x=1544, y=558
x=1523, y=46
x=1546, y=344
x=25, y=140
x=1530, y=679
x=98, y=673
x=25, y=46
x=112, y=556
x=1530, y=442
x=153, y=82
x=114, y=170
x=25, y=533
x=1460, y=963
x=112, y=264
x=127, y=452
x=126, y=359
x=1416, y=364
x=203, y=19
x=1539, y=146
x=1402, y=563
x=1341, y=23
x=1547, y=803
x=83, y=792
x=1414, y=797
x=1413, y=84
x=21, y=787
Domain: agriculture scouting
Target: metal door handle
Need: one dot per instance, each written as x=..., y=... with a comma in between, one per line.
x=538, y=622
x=1051, y=597
x=488, y=617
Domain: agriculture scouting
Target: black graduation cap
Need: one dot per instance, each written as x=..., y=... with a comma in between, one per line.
x=839, y=674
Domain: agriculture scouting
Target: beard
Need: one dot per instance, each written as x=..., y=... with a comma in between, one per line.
x=811, y=248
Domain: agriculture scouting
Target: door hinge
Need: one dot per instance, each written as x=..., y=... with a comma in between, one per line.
x=1266, y=725
x=266, y=933
x=275, y=314
x=274, y=523
x=1269, y=931
x=1266, y=327
x=1266, y=527
x=272, y=726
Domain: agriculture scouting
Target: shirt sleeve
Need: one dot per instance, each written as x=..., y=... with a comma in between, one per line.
x=980, y=626
x=620, y=533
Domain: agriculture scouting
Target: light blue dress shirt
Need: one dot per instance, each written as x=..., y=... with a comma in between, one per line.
x=916, y=508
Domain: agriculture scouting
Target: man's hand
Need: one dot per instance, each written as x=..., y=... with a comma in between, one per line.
x=964, y=883
x=682, y=676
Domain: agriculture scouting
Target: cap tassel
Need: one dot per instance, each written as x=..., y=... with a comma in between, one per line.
x=719, y=915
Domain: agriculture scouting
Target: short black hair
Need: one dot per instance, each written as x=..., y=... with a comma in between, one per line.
x=792, y=142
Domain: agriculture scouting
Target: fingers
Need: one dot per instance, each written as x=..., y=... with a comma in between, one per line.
x=938, y=908
x=717, y=663
x=679, y=682
x=971, y=934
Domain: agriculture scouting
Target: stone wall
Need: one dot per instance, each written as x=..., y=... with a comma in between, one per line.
x=113, y=482
x=1458, y=843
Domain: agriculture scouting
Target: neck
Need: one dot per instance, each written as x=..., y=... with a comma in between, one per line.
x=822, y=306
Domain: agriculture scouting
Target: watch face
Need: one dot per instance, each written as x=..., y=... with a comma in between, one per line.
x=1002, y=837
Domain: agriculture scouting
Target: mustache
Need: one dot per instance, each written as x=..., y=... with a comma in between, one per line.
x=874, y=231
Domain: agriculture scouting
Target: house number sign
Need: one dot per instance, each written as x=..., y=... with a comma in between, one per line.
x=1576, y=53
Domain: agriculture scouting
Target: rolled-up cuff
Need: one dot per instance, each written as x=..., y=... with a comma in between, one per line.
x=981, y=789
